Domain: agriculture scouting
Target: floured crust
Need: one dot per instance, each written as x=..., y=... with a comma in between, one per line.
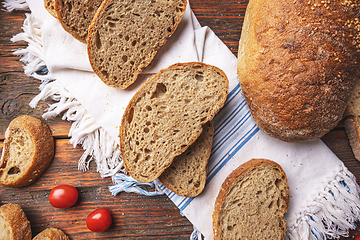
x=14, y=224
x=51, y=234
x=297, y=63
x=125, y=36
x=166, y=115
x=28, y=151
x=259, y=198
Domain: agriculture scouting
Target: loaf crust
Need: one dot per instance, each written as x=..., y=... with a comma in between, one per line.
x=14, y=224
x=75, y=16
x=297, y=63
x=124, y=37
x=51, y=234
x=166, y=115
x=256, y=211
x=186, y=176
x=27, y=153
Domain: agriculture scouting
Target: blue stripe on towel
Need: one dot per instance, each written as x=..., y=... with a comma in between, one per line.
x=234, y=127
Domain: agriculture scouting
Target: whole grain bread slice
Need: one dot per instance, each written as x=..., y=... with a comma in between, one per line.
x=124, y=37
x=14, y=224
x=352, y=120
x=166, y=116
x=27, y=153
x=51, y=234
x=251, y=202
x=186, y=176
x=75, y=16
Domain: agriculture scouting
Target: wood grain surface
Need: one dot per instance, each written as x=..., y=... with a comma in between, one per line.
x=134, y=216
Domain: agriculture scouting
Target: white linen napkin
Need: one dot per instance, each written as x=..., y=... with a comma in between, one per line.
x=324, y=196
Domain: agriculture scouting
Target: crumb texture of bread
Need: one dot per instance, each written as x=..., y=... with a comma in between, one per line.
x=251, y=202
x=125, y=36
x=166, y=116
x=297, y=64
x=14, y=224
x=76, y=16
x=51, y=234
x=50, y=7
x=186, y=176
x=352, y=120
x=27, y=153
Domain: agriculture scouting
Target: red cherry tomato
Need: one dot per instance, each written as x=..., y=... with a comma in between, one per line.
x=357, y=237
x=99, y=220
x=63, y=196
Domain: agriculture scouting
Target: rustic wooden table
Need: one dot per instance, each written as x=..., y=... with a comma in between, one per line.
x=134, y=216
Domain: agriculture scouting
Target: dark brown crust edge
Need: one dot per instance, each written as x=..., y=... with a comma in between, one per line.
x=229, y=181
x=130, y=105
x=43, y=152
x=103, y=5
x=17, y=221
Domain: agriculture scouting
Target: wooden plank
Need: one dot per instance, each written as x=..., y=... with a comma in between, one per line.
x=135, y=216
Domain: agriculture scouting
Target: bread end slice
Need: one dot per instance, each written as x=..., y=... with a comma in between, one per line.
x=27, y=153
x=50, y=7
x=51, y=234
x=186, y=176
x=14, y=224
x=251, y=202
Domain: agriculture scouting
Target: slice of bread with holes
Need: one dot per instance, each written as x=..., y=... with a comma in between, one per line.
x=186, y=176
x=76, y=16
x=51, y=234
x=28, y=151
x=124, y=37
x=252, y=202
x=14, y=224
x=167, y=114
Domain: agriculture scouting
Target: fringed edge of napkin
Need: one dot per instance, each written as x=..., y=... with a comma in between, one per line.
x=99, y=146
x=332, y=212
x=330, y=215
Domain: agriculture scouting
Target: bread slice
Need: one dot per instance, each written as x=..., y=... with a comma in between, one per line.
x=14, y=224
x=75, y=16
x=28, y=150
x=125, y=36
x=352, y=120
x=51, y=234
x=50, y=7
x=166, y=115
x=252, y=202
x=186, y=176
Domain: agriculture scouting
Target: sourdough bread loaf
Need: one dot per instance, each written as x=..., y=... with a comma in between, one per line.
x=125, y=36
x=251, y=202
x=75, y=16
x=28, y=151
x=297, y=63
x=14, y=224
x=186, y=176
x=352, y=120
x=51, y=234
x=166, y=116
